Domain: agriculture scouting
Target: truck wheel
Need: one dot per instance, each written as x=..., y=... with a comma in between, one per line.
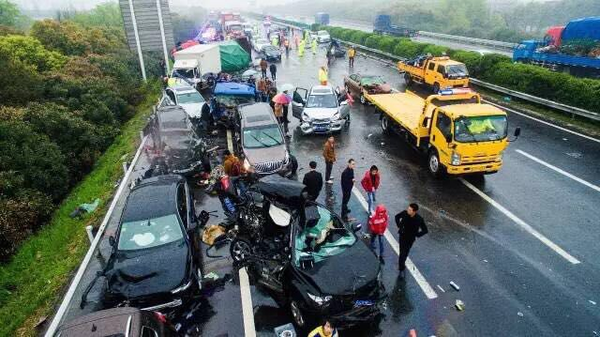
x=385, y=124
x=363, y=100
x=434, y=165
x=436, y=88
x=407, y=79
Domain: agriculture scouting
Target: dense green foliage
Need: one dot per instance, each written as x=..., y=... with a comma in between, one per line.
x=493, y=68
x=67, y=88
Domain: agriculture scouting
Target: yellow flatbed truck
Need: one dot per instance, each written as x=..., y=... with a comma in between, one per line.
x=436, y=72
x=458, y=134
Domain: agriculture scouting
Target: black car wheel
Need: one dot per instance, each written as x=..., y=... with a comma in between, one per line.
x=240, y=249
x=363, y=100
x=297, y=314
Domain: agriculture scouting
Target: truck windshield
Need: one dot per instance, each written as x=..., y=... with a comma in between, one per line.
x=328, y=237
x=480, y=129
x=186, y=73
x=457, y=70
x=321, y=101
x=263, y=136
x=232, y=101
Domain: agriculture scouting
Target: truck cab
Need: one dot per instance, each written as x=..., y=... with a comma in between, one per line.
x=524, y=50
x=458, y=134
x=435, y=72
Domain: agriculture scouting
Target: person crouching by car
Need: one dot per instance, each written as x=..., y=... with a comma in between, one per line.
x=324, y=330
x=377, y=226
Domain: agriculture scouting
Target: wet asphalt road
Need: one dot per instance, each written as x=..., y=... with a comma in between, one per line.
x=512, y=283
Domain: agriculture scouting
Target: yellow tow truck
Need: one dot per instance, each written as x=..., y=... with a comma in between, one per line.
x=458, y=133
x=435, y=72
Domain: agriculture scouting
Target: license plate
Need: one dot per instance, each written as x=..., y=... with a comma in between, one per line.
x=363, y=303
x=320, y=128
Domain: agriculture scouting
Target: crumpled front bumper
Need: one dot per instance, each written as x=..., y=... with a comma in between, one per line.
x=308, y=128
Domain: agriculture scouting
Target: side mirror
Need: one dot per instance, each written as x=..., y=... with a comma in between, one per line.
x=356, y=227
x=425, y=121
x=344, y=103
x=111, y=241
x=517, y=132
x=448, y=139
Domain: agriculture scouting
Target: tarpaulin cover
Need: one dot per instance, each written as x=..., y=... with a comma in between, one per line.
x=582, y=29
x=233, y=57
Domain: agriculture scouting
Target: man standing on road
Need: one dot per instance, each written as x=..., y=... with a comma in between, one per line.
x=351, y=55
x=313, y=181
x=347, y=185
x=410, y=226
x=329, y=156
x=273, y=70
x=370, y=182
x=263, y=68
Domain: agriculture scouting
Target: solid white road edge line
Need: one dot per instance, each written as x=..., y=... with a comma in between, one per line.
x=412, y=269
x=567, y=174
x=88, y=256
x=542, y=121
x=522, y=224
x=247, y=311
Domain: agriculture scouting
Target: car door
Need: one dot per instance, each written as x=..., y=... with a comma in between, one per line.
x=354, y=83
x=441, y=131
x=298, y=102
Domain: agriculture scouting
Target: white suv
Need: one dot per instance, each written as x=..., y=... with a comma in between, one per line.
x=323, y=36
x=320, y=110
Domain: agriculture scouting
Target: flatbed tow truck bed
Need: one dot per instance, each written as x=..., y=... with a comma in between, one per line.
x=404, y=108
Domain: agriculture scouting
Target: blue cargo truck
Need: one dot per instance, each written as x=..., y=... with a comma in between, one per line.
x=322, y=19
x=383, y=25
x=549, y=52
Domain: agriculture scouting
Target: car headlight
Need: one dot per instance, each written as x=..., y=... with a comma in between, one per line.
x=319, y=300
x=305, y=117
x=182, y=288
x=247, y=164
x=455, y=159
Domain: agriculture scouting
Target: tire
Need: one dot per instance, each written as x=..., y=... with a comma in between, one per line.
x=436, y=88
x=385, y=124
x=239, y=249
x=363, y=100
x=433, y=164
x=297, y=314
x=407, y=79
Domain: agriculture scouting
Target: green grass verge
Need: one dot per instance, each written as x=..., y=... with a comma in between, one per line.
x=32, y=283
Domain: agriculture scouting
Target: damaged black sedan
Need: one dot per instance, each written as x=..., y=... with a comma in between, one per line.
x=325, y=269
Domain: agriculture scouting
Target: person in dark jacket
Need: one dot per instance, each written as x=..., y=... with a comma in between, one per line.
x=273, y=70
x=263, y=68
x=313, y=181
x=410, y=226
x=347, y=185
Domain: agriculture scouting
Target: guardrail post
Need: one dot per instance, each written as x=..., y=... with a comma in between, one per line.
x=88, y=230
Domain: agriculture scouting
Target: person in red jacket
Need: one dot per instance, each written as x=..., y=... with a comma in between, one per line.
x=370, y=182
x=377, y=225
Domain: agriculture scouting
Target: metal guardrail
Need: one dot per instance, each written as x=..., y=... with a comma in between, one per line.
x=573, y=111
x=471, y=40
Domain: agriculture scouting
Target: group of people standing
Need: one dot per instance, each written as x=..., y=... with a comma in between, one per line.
x=410, y=224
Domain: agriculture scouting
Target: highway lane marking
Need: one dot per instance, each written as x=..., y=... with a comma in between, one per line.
x=522, y=224
x=566, y=174
x=247, y=311
x=412, y=268
x=543, y=122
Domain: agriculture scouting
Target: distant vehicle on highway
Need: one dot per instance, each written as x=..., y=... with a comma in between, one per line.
x=262, y=141
x=259, y=43
x=323, y=36
x=271, y=53
x=383, y=25
x=319, y=110
x=322, y=19
x=125, y=321
x=155, y=262
x=188, y=98
x=359, y=84
x=435, y=72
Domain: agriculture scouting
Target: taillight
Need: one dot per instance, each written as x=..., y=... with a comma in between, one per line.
x=161, y=317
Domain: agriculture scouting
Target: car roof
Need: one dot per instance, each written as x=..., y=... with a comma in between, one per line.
x=472, y=110
x=321, y=90
x=110, y=322
x=257, y=114
x=152, y=198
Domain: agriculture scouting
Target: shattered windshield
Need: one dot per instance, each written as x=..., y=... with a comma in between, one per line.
x=480, y=129
x=149, y=233
x=321, y=101
x=232, y=101
x=327, y=238
x=263, y=136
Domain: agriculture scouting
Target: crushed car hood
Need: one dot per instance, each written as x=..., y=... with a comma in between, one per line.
x=149, y=271
x=265, y=154
x=346, y=273
x=193, y=110
x=320, y=113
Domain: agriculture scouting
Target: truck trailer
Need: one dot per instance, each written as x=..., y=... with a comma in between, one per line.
x=458, y=134
x=193, y=62
x=383, y=25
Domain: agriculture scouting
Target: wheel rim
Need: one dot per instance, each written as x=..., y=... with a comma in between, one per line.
x=240, y=250
x=384, y=124
x=433, y=163
x=296, y=314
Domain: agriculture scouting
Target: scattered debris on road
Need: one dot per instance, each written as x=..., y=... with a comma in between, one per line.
x=455, y=286
x=82, y=209
x=520, y=314
x=441, y=289
x=459, y=305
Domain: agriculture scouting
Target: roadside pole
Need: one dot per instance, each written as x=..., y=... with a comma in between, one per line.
x=162, y=36
x=137, y=39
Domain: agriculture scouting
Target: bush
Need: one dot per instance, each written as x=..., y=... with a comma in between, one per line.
x=408, y=49
x=387, y=44
x=31, y=52
x=373, y=41
x=359, y=37
x=435, y=50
